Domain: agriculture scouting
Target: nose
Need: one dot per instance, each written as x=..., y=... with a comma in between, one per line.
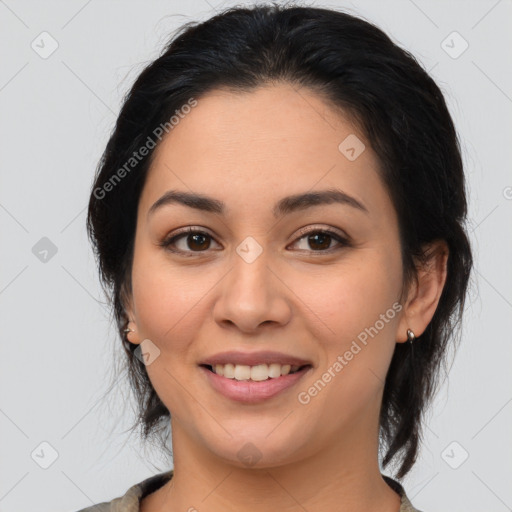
x=252, y=294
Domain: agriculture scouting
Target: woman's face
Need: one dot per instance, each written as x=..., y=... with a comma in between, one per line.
x=268, y=274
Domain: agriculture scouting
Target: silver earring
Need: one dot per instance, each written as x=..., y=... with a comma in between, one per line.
x=410, y=336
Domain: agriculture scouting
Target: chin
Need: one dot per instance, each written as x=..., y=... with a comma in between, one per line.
x=259, y=451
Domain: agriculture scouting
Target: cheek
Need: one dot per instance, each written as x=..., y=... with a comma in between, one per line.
x=348, y=299
x=359, y=312
x=166, y=301
x=168, y=304
x=357, y=341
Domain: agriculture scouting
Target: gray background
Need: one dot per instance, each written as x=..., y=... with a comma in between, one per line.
x=58, y=345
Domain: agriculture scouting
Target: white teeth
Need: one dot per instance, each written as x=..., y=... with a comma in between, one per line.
x=257, y=373
x=285, y=369
x=242, y=372
x=274, y=370
x=229, y=370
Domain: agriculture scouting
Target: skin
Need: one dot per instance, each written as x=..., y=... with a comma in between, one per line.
x=249, y=150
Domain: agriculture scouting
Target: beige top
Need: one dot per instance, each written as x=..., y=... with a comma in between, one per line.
x=130, y=501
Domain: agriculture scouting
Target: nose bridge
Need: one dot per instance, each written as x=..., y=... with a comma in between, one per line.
x=251, y=294
x=250, y=279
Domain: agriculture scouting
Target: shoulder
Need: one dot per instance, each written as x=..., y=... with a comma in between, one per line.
x=106, y=506
x=405, y=503
x=130, y=500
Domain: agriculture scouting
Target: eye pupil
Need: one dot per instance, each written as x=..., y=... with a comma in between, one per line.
x=199, y=236
x=323, y=237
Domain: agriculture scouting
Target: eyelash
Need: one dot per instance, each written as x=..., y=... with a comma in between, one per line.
x=169, y=241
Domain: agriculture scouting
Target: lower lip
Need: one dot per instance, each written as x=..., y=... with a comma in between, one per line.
x=252, y=391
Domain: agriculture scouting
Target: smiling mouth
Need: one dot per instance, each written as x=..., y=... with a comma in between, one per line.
x=258, y=373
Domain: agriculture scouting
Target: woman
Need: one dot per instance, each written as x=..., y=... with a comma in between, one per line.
x=279, y=218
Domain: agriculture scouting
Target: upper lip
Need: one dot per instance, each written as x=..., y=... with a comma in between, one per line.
x=254, y=358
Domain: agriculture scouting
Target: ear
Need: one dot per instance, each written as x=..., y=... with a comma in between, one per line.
x=425, y=292
x=133, y=336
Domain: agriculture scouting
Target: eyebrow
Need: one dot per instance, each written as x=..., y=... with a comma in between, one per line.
x=284, y=206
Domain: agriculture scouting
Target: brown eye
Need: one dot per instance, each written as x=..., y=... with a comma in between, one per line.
x=193, y=241
x=320, y=240
x=198, y=241
x=189, y=241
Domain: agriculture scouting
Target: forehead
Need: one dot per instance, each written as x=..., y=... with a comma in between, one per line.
x=250, y=147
